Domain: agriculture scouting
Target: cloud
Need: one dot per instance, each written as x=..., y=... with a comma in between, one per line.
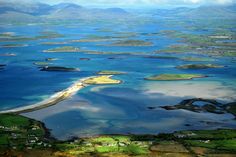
x=136, y=2
x=225, y=1
x=146, y=2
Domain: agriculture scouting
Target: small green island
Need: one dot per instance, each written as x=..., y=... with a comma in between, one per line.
x=48, y=35
x=15, y=38
x=177, y=48
x=214, y=44
x=46, y=63
x=51, y=59
x=21, y=136
x=108, y=72
x=6, y=34
x=199, y=66
x=198, y=59
x=12, y=37
x=174, y=77
x=100, y=80
x=131, y=43
x=112, y=53
x=64, y=49
x=42, y=63
x=13, y=45
x=161, y=57
x=95, y=39
x=98, y=38
x=53, y=43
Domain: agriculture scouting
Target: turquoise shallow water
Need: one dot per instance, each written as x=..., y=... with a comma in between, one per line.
x=111, y=108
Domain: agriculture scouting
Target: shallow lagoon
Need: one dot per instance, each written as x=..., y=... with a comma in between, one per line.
x=110, y=109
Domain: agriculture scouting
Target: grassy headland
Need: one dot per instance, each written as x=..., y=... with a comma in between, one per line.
x=21, y=136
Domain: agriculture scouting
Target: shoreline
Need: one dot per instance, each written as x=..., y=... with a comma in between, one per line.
x=210, y=142
x=63, y=95
x=52, y=100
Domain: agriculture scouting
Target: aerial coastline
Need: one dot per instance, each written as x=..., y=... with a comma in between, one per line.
x=118, y=79
x=64, y=94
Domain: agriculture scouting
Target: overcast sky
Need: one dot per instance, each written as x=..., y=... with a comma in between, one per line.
x=130, y=3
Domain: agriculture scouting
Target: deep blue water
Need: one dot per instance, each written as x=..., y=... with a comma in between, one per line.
x=110, y=108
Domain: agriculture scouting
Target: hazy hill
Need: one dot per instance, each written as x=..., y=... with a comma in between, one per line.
x=33, y=11
x=38, y=11
x=200, y=12
x=13, y=16
x=27, y=8
x=73, y=11
x=65, y=5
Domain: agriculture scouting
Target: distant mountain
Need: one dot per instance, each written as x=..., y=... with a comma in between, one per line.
x=200, y=12
x=73, y=11
x=171, y=12
x=12, y=16
x=65, y=11
x=212, y=11
x=33, y=11
x=232, y=8
x=27, y=8
x=116, y=10
x=65, y=5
